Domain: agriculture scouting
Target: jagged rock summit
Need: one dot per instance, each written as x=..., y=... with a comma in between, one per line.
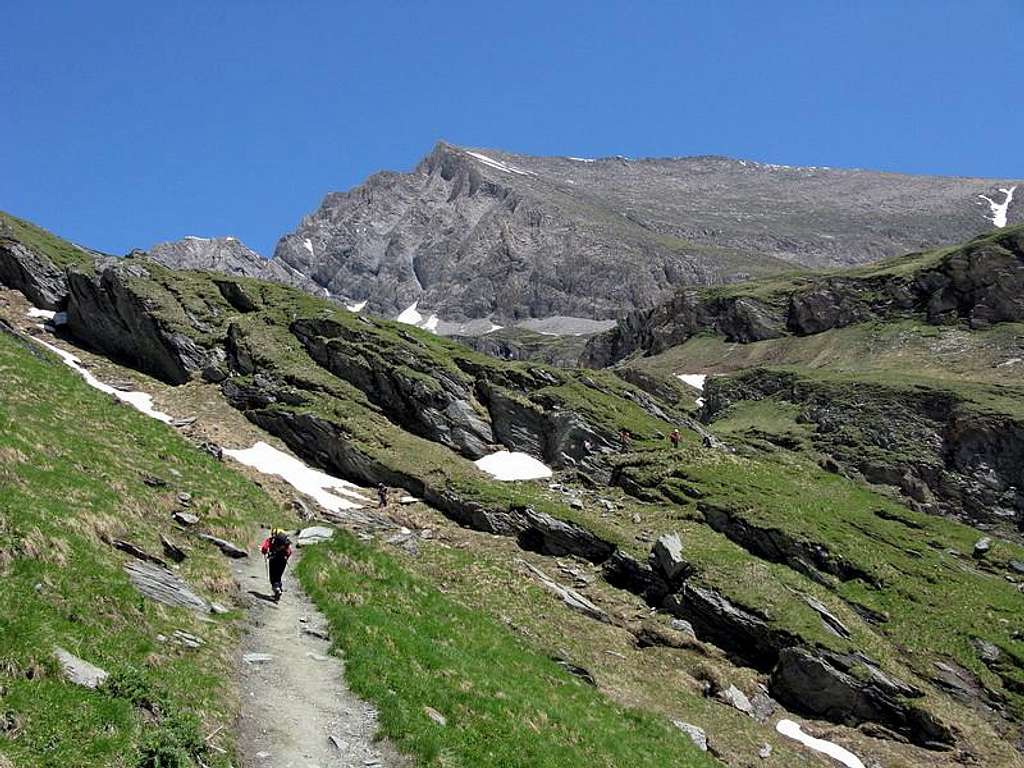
x=474, y=233
x=230, y=256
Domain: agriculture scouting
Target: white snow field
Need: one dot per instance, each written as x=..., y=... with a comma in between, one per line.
x=44, y=313
x=794, y=731
x=695, y=380
x=409, y=315
x=138, y=400
x=308, y=245
x=999, y=210
x=358, y=307
x=506, y=465
x=303, y=478
x=412, y=316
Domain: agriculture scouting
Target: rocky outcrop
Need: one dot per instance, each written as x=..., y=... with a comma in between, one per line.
x=33, y=274
x=556, y=436
x=229, y=256
x=108, y=314
x=740, y=631
x=740, y=319
x=980, y=283
x=426, y=399
x=562, y=351
x=484, y=233
x=852, y=690
x=812, y=559
x=944, y=454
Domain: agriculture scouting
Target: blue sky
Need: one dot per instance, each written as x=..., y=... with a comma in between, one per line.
x=126, y=123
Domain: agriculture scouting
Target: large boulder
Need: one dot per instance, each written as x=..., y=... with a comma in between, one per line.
x=667, y=554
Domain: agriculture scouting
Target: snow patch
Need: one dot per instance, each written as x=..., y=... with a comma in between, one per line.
x=794, y=731
x=409, y=315
x=581, y=159
x=141, y=401
x=695, y=380
x=55, y=318
x=303, y=478
x=501, y=166
x=494, y=327
x=199, y=239
x=358, y=307
x=431, y=324
x=999, y=210
x=308, y=244
x=505, y=465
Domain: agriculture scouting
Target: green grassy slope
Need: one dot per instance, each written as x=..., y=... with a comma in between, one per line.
x=59, y=251
x=943, y=353
x=408, y=647
x=71, y=469
x=71, y=466
x=790, y=496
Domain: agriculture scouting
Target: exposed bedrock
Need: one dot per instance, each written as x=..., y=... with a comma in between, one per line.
x=106, y=314
x=980, y=283
x=35, y=276
x=943, y=454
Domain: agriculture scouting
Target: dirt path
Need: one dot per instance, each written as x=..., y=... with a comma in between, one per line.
x=295, y=701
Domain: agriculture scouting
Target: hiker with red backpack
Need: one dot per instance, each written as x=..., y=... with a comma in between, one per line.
x=277, y=548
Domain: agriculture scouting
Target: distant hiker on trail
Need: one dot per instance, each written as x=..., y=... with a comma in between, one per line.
x=674, y=438
x=382, y=496
x=625, y=439
x=277, y=548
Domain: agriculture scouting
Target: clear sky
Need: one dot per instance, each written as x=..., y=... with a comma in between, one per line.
x=126, y=123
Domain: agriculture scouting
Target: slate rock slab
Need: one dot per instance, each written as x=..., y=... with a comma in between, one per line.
x=163, y=586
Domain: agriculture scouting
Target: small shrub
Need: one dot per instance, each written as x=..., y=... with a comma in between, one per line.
x=177, y=742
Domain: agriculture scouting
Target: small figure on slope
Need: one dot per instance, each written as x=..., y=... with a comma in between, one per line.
x=277, y=548
x=674, y=438
x=382, y=496
x=625, y=439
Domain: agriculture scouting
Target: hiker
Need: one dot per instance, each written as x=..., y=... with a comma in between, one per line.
x=625, y=439
x=674, y=438
x=382, y=495
x=277, y=548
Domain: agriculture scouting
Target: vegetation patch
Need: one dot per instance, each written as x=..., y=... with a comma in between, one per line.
x=417, y=654
x=72, y=469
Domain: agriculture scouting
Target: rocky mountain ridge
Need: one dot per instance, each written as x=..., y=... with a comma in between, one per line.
x=483, y=233
x=980, y=283
x=231, y=257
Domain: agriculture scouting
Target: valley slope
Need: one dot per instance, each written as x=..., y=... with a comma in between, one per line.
x=754, y=573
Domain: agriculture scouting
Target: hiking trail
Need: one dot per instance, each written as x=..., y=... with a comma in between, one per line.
x=296, y=709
